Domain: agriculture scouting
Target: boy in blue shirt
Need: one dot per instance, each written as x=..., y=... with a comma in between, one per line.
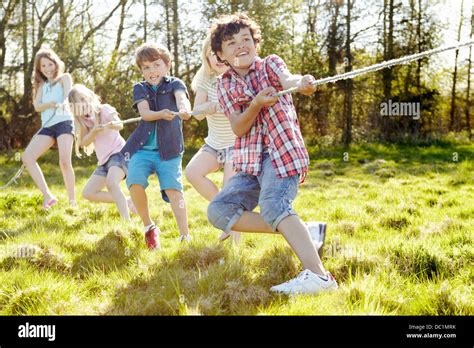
x=156, y=145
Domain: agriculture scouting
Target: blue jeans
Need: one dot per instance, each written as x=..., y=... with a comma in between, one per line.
x=244, y=192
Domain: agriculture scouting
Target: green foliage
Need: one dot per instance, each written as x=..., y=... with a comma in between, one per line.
x=298, y=31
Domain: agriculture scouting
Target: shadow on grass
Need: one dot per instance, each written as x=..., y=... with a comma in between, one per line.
x=109, y=254
x=205, y=279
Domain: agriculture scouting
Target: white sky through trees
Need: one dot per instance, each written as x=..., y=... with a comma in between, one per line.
x=447, y=11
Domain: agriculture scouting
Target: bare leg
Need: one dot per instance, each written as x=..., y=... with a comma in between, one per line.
x=229, y=173
x=178, y=205
x=297, y=235
x=252, y=222
x=114, y=177
x=65, y=142
x=140, y=201
x=35, y=149
x=200, y=165
x=93, y=190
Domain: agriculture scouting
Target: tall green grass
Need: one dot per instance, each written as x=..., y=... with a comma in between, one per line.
x=400, y=222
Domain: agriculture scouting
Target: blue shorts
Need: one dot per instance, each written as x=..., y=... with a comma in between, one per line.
x=58, y=129
x=244, y=192
x=144, y=163
x=115, y=160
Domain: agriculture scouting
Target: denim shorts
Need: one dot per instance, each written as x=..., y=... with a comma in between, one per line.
x=144, y=163
x=58, y=129
x=244, y=192
x=116, y=160
x=223, y=155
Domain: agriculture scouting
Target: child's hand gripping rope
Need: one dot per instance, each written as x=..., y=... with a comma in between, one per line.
x=306, y=86
x=170, y=116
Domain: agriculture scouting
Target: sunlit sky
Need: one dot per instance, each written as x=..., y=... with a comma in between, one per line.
x=447, y=11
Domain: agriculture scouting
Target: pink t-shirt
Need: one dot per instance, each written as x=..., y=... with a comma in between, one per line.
x=109, y=141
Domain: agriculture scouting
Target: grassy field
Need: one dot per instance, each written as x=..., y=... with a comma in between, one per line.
x=400, y=222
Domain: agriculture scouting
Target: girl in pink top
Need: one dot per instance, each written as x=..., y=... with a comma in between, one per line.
x=96, y=130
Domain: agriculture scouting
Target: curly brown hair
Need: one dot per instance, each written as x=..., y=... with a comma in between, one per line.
x=227, y=25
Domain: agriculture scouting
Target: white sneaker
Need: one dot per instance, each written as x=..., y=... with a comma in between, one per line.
x=306, y=282
x=185, y=238
x=317, y=232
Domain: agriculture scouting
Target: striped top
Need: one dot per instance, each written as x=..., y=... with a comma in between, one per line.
x=219, y=134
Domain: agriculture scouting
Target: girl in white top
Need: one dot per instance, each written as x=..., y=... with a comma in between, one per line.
x=95, y=131
x=217, y=151
x=50, y=88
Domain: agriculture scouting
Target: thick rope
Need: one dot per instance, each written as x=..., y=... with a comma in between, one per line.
x=136, y=119
x=14, y=177
x=380, y=66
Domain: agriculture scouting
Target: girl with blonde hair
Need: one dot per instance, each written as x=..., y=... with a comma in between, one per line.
x=217, y=152
x=98, y=129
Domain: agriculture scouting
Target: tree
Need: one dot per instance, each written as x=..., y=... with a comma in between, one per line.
x=7, y=14
x=454, y=124
x=349, y=86
x=468, y=89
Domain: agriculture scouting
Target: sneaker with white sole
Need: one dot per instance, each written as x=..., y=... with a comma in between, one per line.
x=317, y=232
x=185, y=238
x=306, y=282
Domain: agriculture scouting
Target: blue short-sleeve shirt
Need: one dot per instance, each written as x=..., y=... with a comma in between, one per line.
x=169, y=134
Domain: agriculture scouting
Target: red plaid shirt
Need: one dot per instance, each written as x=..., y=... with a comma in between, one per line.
x=275, y=128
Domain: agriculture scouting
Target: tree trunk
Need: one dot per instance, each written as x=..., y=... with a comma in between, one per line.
x=62, y=29
x=387, y=75
x=468, y=91
x=3, y=27
x=24, y=44
x=347, y=132
x=104, y=90
x=166, y=4
x=118, y=38
x=333, y=48
x=453, y=124
x=175, y=38
x=388, y=49
x=145, y=20
x=418, y=37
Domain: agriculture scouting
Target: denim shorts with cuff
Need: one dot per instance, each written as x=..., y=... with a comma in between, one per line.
x=65, y=127
x=116, y=160
x=222, y=155
x=244, y=192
